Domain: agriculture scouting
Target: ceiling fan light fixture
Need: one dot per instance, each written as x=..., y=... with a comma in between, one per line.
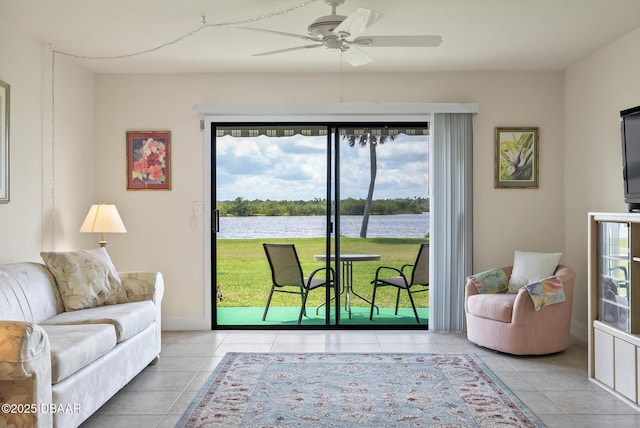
x=333, y=42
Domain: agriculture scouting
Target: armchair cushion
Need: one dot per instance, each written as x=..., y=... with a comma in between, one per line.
x=530, y=267
x=497, y=307
x=490, y=281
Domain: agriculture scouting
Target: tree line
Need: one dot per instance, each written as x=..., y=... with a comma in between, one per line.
x=240, y=207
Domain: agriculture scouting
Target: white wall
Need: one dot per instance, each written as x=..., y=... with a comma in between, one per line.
x=20, y=222
x=596, y=89
x=161, y=233
x=72, y=143
x=25, y=222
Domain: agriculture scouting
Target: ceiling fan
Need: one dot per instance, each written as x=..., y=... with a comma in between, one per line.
x=338, y=32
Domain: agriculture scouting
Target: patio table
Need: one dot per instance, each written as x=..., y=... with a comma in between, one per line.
x=346, y=262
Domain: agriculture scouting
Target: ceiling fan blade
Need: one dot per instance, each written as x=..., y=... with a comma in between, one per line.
x=358, y=21
x=398, y=41
x=355, y=56
x=297, y=36
x=287, y=50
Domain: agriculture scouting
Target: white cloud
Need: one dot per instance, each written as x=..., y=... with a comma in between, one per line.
x=293, y=168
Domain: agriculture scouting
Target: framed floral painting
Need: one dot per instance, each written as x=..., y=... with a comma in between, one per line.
x=516, y=163
x=148, y=160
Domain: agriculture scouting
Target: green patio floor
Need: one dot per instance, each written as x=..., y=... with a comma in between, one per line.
x=289, y=316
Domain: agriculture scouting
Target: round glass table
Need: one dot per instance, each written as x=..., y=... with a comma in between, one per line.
x=346, y=263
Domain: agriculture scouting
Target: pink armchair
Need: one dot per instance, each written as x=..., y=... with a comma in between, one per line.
x=508, y=322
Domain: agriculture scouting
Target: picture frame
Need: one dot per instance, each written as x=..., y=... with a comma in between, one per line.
x=516, y=158
x=5, y=109
x=148, y=160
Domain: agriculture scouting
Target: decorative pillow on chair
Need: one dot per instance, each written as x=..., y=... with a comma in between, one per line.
x=531, y=267
x=86, y=278
x=490, y=281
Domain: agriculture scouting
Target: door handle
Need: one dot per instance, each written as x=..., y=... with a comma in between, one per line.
x=216, y=221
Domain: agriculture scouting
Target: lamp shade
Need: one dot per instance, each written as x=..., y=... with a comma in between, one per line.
x=103, y=219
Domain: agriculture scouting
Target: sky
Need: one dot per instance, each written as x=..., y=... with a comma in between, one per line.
x=295, y=168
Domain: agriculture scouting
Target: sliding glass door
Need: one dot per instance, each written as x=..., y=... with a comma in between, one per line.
x=383, y=221
x=270, y=188
x=347, y=198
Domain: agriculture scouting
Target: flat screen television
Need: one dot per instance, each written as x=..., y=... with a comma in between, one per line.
x=630, y=132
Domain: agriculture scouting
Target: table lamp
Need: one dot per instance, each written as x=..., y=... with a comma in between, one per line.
x=103, y=219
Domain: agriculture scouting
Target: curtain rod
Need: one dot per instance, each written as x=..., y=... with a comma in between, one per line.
x=340, y=109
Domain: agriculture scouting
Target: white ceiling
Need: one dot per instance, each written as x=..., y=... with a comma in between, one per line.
x=532, y=35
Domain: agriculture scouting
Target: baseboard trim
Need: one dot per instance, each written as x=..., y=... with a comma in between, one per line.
x=184, y=323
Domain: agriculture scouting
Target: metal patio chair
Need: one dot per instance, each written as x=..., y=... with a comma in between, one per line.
x=416, y=282
x=286, y=274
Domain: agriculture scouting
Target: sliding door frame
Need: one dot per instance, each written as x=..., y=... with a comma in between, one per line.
x=291, y=113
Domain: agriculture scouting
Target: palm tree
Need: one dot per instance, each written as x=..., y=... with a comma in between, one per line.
x=362, y=140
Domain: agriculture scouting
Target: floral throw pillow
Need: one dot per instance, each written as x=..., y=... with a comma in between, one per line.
x=490, y=281
x=86, y=278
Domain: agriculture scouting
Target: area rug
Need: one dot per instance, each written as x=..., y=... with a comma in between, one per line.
x=352, y=389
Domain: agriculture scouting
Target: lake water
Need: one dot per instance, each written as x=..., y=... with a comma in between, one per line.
x=389, y=226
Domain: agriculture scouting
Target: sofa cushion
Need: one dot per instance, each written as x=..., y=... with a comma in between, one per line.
x=128, y=319
x=76, y=346
x=86, y=278
x=497, y=307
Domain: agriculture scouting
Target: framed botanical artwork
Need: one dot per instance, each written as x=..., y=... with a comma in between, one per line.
x=148, y=160
x=4, y=142
x=516, y=162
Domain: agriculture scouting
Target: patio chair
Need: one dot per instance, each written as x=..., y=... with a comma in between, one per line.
x=286, y=274
x=417, y=282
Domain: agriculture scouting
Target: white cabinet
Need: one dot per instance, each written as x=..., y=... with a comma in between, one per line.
x=625, y=378
x=616, y=361
x=603, y=349
x=614, y=303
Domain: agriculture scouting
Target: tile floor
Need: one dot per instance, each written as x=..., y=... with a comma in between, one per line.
x=554, y=387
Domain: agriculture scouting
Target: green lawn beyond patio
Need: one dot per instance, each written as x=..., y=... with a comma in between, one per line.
x=245, y=278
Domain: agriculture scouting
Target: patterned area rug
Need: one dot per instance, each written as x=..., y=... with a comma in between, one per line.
x=367, y=390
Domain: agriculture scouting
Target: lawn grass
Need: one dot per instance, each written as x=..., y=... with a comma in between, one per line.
x=244, y=275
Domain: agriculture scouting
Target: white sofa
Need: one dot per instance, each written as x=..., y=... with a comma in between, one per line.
x=58, y=367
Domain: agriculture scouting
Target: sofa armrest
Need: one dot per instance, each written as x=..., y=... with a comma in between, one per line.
x=146, y=286
x=25, y=374
x=143, y=286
